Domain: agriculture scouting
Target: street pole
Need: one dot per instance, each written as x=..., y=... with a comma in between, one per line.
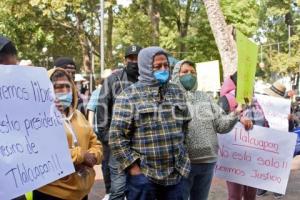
x=298, y=81
x=102, y=37
x=289, y=32
x=93, y=69
x=261, y=53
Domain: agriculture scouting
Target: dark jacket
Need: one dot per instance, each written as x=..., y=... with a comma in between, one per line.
x=110, y=89
x=80, y=106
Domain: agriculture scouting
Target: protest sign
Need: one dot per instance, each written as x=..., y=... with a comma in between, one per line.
x=208, y=76
x=276, y=111
x=260, y=158
x=247, y=60
x=33, y=145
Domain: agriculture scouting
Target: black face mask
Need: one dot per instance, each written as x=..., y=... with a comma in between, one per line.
x=132, y=70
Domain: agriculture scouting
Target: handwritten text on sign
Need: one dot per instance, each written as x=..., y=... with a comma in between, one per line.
x=276, y=110
x=33, y=145
x=259, y=158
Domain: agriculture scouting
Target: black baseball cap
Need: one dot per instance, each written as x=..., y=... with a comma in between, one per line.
x=63, y=61
x=3, y=42
x=132, y=50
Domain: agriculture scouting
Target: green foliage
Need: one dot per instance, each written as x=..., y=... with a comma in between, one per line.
x=131, y=26
x=242, y=14
x=201, y=44
x=16, y=23
x=275, y=17
x=64, y=26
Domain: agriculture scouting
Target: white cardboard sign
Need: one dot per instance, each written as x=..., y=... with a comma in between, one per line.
x=33, y=145
x=260, y=158
x=208, y=76
x=276, y=111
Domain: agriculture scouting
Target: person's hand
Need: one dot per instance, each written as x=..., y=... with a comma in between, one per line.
x=89, y=160
x=135, y=170
x=247, y=123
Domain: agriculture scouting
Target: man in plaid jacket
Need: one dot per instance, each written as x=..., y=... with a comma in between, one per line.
x=148, y=129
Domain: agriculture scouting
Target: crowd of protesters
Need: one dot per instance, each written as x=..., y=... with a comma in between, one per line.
x=153, y=132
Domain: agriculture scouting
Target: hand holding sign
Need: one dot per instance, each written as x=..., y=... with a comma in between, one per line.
x=248, y=124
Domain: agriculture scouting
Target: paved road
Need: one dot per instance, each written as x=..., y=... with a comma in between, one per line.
x=218, y=189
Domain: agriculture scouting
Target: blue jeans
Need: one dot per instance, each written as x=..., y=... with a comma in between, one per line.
x=105, y=167
x=139, y=187
x=197, y=185
x=118, y=180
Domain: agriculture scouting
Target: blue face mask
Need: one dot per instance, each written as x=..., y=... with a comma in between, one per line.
x=65, y=99
x=162, y=76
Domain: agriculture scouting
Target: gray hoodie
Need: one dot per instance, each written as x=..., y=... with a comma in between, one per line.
x=208, y=119
x=145, y=61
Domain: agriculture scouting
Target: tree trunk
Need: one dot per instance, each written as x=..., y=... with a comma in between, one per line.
x=154, y=15
x=183, y=26
x=85, y=46
x=86, y=58
x=109, y=31
x=223, y=37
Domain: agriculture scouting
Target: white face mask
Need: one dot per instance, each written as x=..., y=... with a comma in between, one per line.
x=65, y=99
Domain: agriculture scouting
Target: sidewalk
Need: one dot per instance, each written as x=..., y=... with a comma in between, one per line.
x=218, y=190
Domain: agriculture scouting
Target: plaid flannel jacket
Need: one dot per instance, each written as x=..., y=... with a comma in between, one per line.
x=151, y=131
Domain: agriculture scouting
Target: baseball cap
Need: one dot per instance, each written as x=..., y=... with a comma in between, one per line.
x=63, y=61
x=3, y=41
x=132, y=50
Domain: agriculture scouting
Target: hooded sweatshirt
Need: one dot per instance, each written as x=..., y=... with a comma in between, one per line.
x=77, y=185
x=145, y=61
x=208, y=119
x=149, y=130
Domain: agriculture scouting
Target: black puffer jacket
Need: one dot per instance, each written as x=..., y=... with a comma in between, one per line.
x=110, y=89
